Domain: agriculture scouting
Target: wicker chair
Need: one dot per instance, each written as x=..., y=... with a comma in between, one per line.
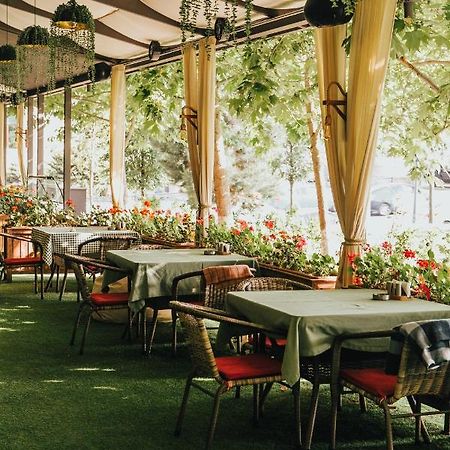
x=105, y=243
x=91, y=302
x=33, y=260
x=412, y=381
x=228, y=371
x=317, y=370
x=211, y=295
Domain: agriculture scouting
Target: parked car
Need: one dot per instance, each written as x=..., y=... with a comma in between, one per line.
x=389, y=199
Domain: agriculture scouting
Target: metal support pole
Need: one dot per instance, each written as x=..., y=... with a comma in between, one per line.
x=40, y=135
x=67, y=162
x=30, y=136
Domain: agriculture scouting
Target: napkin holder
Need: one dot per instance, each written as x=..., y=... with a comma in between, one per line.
x=399, y=290
x=223, y=248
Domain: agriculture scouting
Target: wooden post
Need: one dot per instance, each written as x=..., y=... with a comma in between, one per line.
x=67, y=162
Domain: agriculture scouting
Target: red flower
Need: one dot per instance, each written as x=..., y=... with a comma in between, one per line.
x=243, y=224
x=367, y=248
x=409, y=254
x=200, y=221
x=425, y=290
x=69, y=202
x=301, y=242
x=147, y=203
x=269, y=224
x=251, y=228
x=357, y=281
x=427, y=264
x=235, y=231
x=14, y=208
x=351, y=258
x=387, y=247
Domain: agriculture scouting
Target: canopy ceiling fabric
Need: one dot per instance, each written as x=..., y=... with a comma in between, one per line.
x=124, y=28
x=350, y=150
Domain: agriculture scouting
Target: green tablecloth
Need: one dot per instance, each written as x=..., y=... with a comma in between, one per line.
x=153, y=270
x=311, y=319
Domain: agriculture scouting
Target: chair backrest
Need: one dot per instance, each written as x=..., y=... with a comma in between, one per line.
x=271, y=284
x=199, y=345
x=75, y=263
x=414, y=378
x=212, y=295
x=105, y=243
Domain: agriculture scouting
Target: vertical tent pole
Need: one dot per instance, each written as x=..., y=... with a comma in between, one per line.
x=30, y=135
x=67, y=162
x=40, y=135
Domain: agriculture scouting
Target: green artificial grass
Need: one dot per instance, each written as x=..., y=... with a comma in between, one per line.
x=112, y=397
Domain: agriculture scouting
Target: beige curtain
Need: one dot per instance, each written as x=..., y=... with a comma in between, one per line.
x=191, y=107
x=200, y=94
x=117, y=136
x=350, y=155
x=19, y=143
x=2, y=144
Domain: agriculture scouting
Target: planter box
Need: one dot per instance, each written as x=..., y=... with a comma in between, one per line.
x=17, y=249
x=316, y=282
x=170, y=244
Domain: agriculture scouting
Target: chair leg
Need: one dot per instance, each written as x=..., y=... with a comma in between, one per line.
x=35, y=280
x=183, y=406
x=57, y=279
x=77, y=323
x=447, y=424
x=41, y=267
x=63, y=284
x=174, y=332
x=388, y=422
x=362, y=403
x=214, y=415
x=256, y=403
x=151, y=333
x=335, y=396
x=297, y=414
x=52, y=273
x=264, y=394
x=86, y=330
x=312, y=414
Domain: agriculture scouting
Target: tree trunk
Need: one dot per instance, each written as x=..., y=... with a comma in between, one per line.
x=221, y=183
x=316, y=170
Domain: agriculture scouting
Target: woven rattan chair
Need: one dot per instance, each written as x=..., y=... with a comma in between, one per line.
x=412, y=381
x=93, y=302
x=211, y=295
x=104, y=243
x=33, y=260
x=228, y=371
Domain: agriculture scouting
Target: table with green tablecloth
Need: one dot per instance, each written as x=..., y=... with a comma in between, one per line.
x=152, y=271
x=312, y=319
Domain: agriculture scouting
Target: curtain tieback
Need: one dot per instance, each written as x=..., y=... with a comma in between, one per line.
x=349, y=242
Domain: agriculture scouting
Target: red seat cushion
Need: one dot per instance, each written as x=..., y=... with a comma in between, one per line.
x=109, y=299
x=22, y=261
x=374, y=381
x=247, y=366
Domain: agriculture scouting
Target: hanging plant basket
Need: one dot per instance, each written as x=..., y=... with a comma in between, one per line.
x=33, y=36
x=7, y=54
x=325, y=13
x=72, y=42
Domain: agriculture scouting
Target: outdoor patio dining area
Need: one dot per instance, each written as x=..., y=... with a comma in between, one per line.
x=188, y=257
x=112, y=397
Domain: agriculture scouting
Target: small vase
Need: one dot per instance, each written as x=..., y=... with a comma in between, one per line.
x=322, y=13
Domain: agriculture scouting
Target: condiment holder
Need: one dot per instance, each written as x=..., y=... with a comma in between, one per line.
x=398, y=290
x=223, y=248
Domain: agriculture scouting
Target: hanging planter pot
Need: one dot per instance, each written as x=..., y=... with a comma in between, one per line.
x=326, y=13
x=33, y=36
x=7, y=54
x=72, y=16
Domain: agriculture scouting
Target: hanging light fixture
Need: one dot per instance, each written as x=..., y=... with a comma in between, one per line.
x=72, y=40
x=8, y=66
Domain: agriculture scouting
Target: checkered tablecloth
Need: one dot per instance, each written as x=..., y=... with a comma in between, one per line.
x=67, y=240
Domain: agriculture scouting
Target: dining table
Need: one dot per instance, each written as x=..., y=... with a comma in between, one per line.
x=67, y=239
x=152, y=271
x=312, y=319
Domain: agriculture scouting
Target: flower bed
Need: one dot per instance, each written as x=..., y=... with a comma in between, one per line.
x=428, y=273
